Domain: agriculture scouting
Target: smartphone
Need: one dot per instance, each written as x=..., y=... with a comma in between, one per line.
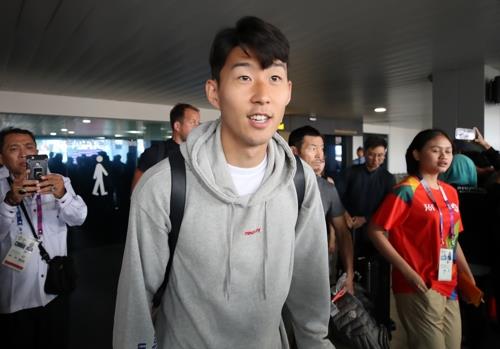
x=466, y=134
x=37, y=164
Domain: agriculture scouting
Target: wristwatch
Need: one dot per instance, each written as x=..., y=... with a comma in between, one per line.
x=9, y=200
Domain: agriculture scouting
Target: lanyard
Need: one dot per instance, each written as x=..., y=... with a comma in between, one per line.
x=19, y=220
x=441, y=219
x=39, y=214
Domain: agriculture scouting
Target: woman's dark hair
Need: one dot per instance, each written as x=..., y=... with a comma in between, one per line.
x=417, y=144
x=266, y=42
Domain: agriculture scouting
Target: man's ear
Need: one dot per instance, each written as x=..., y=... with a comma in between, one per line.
x=177, y=126
x=212, y=91
x=289, y=92
x=295, y=151
x=416, y=155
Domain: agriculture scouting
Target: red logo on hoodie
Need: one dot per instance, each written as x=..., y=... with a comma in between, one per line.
x=252, y=232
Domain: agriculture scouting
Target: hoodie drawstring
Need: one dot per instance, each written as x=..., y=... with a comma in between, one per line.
x=264, y=262
x=229, y=235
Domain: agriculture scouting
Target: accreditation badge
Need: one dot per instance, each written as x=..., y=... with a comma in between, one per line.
x=20, y=252
x=445, y=264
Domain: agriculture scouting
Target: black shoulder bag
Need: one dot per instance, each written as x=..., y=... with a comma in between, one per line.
x=61, y=273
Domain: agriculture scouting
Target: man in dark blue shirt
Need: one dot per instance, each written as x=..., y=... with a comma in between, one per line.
x=362, y=189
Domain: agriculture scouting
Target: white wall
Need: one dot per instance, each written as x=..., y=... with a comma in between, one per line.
x=34, y=103
x=399, y=140
x=357, y=141
x=492, y=115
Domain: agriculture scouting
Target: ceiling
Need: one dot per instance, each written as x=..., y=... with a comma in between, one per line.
x=347, y=56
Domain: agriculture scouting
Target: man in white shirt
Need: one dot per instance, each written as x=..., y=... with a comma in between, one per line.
x=29, y=317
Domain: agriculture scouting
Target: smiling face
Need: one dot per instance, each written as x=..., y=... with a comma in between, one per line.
x=435, y=157
x=251, y=100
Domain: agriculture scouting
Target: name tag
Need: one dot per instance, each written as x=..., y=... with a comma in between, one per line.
x=20, y=252
x=445, y=264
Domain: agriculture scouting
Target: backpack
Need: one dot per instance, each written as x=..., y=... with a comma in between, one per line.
x=178, y=201
x=353, y=324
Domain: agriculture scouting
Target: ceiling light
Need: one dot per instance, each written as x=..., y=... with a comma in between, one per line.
x=71, y=132
x=134, y=131
x=380, y=110
x=101, y=137
x=118, y=135
x=53, y=134
x=64, y=130
x=86, y=121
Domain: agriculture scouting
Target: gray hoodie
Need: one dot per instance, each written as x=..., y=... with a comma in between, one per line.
x=238, y=259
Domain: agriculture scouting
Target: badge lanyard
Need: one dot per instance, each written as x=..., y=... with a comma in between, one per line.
x=39, y=214
x=441, y=219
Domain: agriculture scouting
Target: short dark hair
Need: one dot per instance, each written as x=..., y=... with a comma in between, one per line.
x=14, y=130
x=420, y=140
x=296, y=137
x=264, y=40
x=177, y=112
x=374, y=142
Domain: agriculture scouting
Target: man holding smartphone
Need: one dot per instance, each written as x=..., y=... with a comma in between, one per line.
x=29, y=317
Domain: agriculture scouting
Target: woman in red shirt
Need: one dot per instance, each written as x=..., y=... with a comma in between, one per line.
x=422, y=222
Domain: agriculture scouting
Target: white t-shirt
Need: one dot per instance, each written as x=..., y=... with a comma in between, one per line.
x=247, y=180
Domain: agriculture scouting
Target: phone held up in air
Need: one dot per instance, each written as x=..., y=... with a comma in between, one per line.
x=38, y=165
x=466, y=134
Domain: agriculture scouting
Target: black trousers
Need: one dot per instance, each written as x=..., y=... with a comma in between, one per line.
x=37, y=328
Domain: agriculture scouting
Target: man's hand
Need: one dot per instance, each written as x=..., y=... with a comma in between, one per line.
x=358, y=222
x=480, y=140
x=348, y=219
x=20, y=188
x=52, y=184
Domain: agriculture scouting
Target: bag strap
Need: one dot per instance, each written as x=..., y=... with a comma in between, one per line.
x=300, y=181
x=162, y=151
x=43, y=251
x=177, y=203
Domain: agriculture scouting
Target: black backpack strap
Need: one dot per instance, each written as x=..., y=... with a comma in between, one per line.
x=162, y=151
x=177, y=203
x=300, y=181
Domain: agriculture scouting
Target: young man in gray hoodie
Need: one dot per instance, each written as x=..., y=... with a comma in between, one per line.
x=244, y=249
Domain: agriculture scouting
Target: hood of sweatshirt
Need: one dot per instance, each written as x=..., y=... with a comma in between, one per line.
x=204, y=155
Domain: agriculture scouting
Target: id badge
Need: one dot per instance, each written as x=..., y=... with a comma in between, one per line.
x=445, y=264
x=20, y=252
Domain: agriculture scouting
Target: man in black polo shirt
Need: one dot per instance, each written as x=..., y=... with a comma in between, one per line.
x=362, y=189
x=183, y=118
